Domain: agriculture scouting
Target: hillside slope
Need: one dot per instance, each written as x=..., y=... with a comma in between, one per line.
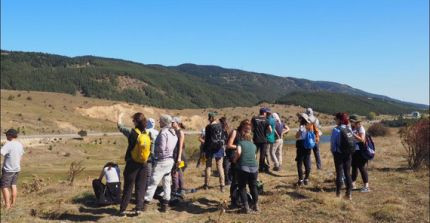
x=183, y=86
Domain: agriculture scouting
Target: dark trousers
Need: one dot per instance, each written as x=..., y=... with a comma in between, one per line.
x=228, y=165
x=234, y=183
x=107, y=194
x=343, y=167
x=134, y=173
x=262, y=148
x=359, y=163
x=316, y=150
x=250, y=179
x=177, y=180
x=303, y=157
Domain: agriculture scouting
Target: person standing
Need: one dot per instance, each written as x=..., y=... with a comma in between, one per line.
x=276, y=151
x=316, y=149
x=202, y=152
x=358, y=161
x=340, y=141
x=271, y=136
x=136, y=170
x=303, y=153
x=179, y=156
x=261, y=128
x=228, y=152
x=247, y=167
x=153, y=133
x=163, y=161
x=12, y=151
x=214, y=148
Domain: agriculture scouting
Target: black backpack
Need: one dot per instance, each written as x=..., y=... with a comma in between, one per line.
x=347, y=141
x=217, y=137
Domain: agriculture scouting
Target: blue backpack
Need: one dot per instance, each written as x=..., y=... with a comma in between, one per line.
x=310, y=140
x=368, y=149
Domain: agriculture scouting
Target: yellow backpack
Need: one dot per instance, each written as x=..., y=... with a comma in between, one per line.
x=142, y=149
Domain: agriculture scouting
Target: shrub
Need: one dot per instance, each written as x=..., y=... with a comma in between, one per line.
x=75, y=169
x=29, y=98
x=371, y=116
x=415, y=139
x=10, y=98
x=399, y=122
x=378, y=129
x=82, y=133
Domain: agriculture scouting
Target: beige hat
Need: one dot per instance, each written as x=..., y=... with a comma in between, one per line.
x=304, y=116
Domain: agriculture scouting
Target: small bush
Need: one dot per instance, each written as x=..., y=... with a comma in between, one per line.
x=75, y=169
x=371, y=116
x=10, y=98
x=29, y=98
x=399, y=122
x=415, y=139
x=82, y=133
x=378, y=129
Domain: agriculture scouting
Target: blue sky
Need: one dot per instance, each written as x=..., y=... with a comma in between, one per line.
x=380, y=46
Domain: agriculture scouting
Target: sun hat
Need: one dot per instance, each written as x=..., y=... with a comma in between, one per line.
x=354, y=118
x=11, y=132
x=304, y=116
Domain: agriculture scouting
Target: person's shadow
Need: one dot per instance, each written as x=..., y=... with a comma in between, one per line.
x=201, y=206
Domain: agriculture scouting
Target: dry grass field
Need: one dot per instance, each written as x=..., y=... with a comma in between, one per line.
x=397, y=193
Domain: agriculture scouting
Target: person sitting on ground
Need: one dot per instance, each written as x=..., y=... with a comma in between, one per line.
x=163, y=162
x=358, y=161
x=214, y=148
x=261, y=128
x=276, y=151
x=316, y=149
x=12, y=152
x=111, y=192
x=303, y=154
x=136, y=168
x=179, y=156
x=342, y=159
x=247, y=167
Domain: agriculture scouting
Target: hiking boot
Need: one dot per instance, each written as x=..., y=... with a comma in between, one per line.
x=164, y=206
x=348, y=197
x=300, y=183
x=338, y=193
x=256, y=207
x=246, y=209
x=306, y=182
x=276, y=168
x=122, y=214
x=221, y=188
x=206, y=187
x=138, y=212
x=365, y=190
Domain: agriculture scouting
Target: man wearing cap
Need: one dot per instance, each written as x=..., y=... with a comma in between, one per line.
x=261, y=128
x=316, y=123
x=12, y=152
x=163, y=161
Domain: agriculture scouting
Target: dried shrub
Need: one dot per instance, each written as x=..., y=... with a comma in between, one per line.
x=415, y=139
x=76, y=168
x=35, y=185
x=378, y=129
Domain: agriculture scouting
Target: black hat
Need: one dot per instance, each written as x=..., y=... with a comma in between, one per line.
x=11, y=132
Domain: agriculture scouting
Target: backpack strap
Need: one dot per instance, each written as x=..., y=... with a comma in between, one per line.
x=138, y=132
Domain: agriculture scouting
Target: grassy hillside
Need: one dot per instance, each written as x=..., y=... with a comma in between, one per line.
x=331, y=103
x=184, y=86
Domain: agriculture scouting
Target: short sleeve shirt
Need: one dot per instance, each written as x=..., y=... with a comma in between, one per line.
x=12, y=152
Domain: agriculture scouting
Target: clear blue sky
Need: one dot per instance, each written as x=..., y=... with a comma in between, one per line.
x=381, y=46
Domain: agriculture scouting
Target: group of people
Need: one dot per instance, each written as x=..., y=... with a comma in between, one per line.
x=153, y=157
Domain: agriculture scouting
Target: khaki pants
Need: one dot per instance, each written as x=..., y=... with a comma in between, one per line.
x=219, y=162
x=276, y=152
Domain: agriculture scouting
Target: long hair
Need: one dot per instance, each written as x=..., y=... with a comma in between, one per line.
x=224, y=124
x=244, y=123
x=139, y=120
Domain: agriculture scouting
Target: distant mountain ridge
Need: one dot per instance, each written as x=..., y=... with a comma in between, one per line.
x=183, y=86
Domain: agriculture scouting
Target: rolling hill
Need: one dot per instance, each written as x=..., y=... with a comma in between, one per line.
x=183, y=86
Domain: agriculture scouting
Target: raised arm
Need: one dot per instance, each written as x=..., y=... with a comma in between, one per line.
x=121, y=127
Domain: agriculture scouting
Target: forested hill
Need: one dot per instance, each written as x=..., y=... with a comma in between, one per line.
x=183, y=86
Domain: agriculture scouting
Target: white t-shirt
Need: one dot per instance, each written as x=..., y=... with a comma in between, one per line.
x=111, y=175
x=12, y=152
x=362, y=131
x=303, y=131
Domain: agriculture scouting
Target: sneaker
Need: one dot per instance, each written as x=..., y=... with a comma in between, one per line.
x=256, y=207
x=138, y=212
x=206, y=187
x=337, y=193
x=122, y=214
x=275, y=168
x=348, y=197
x=353, y=186
x=300, y=183
x=365, y=190
x=306, y=182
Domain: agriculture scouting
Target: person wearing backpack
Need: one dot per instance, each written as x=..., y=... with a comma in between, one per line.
x=261, y=128
x=342, y=147
x=233, y=139
x=305, y=142
x=214, y=148
x=317, y=125
x=163, y=162
x=136, y=157
x=150, y=128
x=247, y=167
x=358, y=161
x=109, y=193
x=276, y=151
